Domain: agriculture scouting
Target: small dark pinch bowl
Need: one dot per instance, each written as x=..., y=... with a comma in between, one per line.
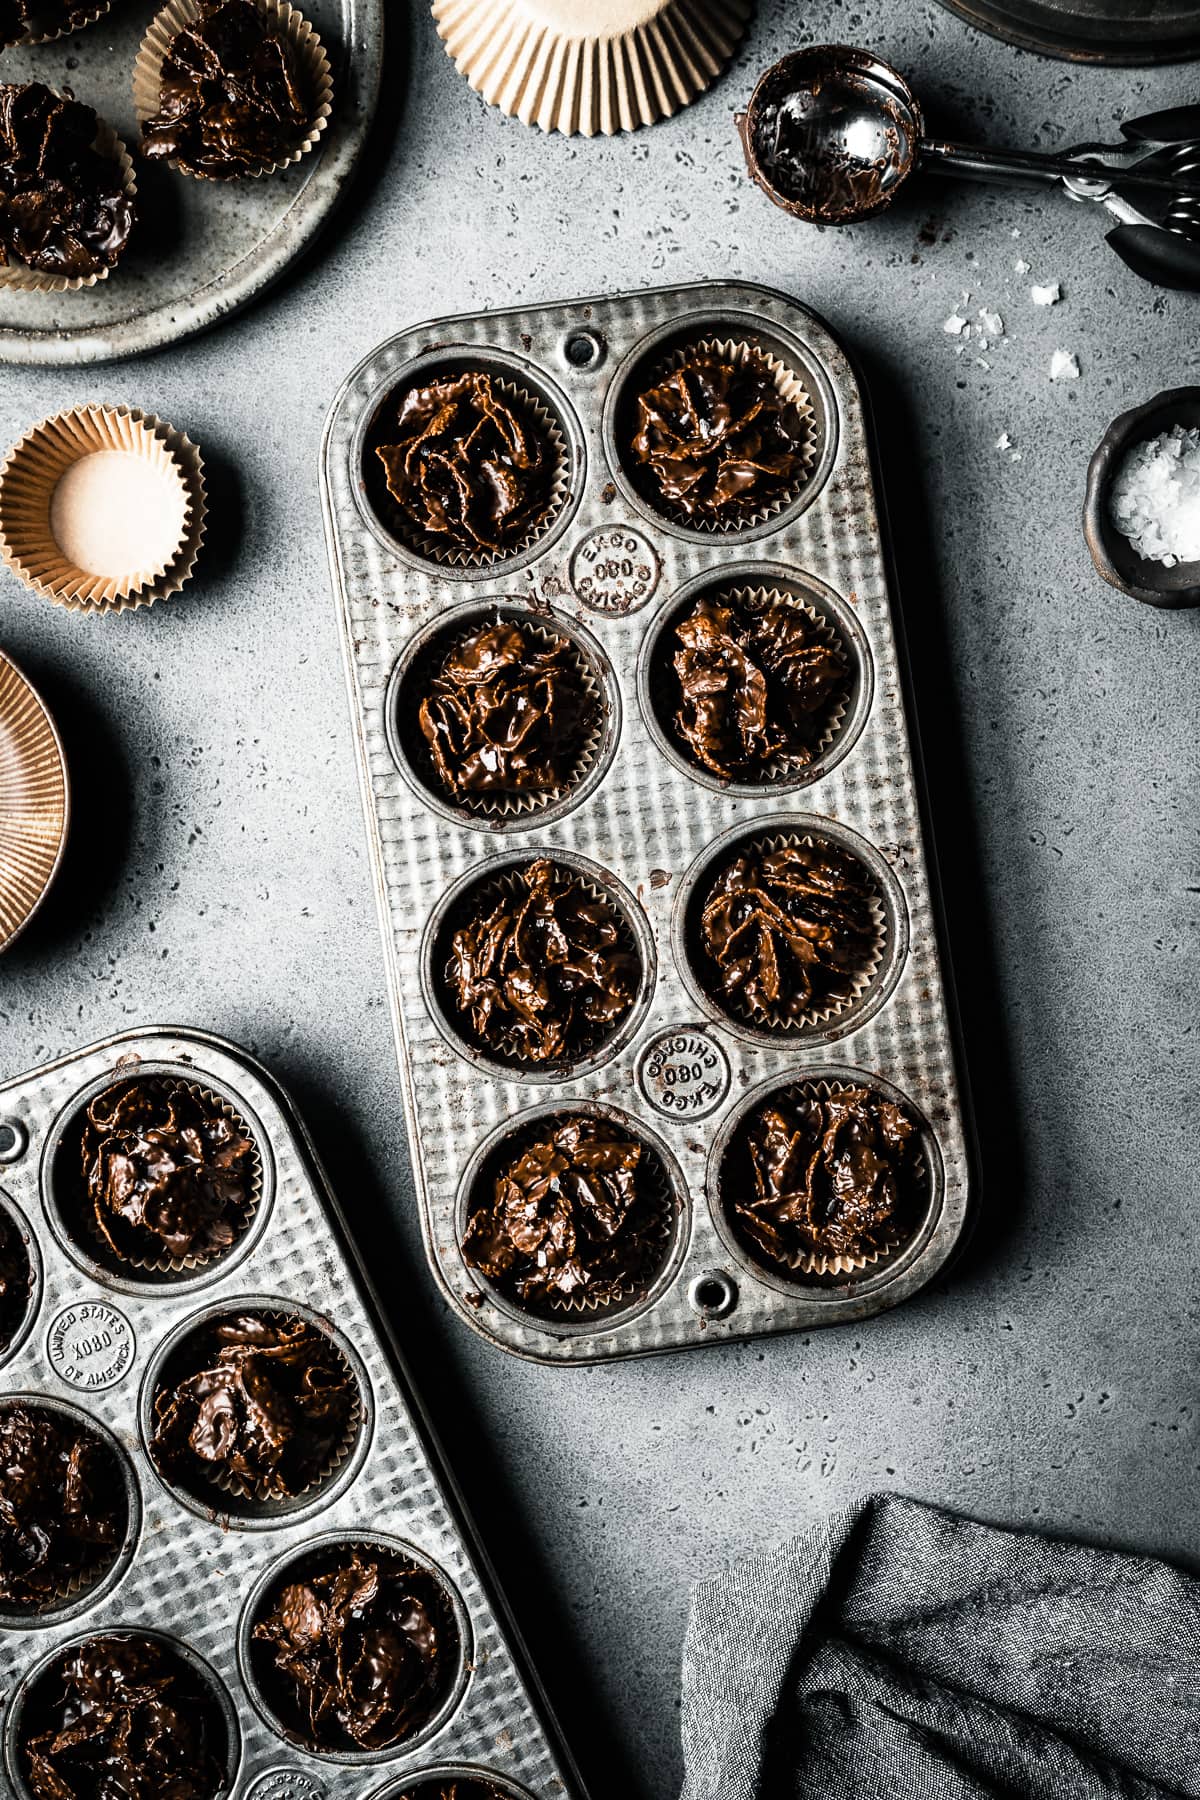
x=1113, y=554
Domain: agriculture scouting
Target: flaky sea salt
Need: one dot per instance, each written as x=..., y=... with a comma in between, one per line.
x=954, y=325
x=1063, y=366
x=991, y=322
x=1021, y=266
x=1046, y=296
x=1155, y=498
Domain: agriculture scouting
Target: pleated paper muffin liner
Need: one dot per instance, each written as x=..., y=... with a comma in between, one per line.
x=814, y=1017
x=654, y=1187
x=789, y=386
x=16, y=275
x=76, y=1584
x=502, y=807
x=79, y=22
x=558, y=67
x=34, y=801
x=186, y=1265
x=843, y=1265
x=31, y=473
x=286, y=23
x=508, y=886
x=535, y=414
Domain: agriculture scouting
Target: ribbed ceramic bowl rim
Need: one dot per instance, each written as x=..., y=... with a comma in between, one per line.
x=795, y=825
x=13, y=1212
x=206, y=1675
x=743, y=328
x=103, y=1585
x=413, y=1783
x=310, y=1551
x=813, y=1287
x=587, y=1324
x=224, y=1506
x=512, y=367
x=822, y=599
x=219, y=1267
x=492, y=868
x=457, y=621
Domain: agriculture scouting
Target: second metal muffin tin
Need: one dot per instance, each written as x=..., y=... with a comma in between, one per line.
x=609, y=566
x=90, y=1344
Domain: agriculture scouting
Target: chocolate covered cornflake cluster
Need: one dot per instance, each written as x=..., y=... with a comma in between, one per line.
x=63, y=208
x=16, y=1279
x=63, y=1510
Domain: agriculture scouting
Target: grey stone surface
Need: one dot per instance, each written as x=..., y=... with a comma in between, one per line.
x=218, y=872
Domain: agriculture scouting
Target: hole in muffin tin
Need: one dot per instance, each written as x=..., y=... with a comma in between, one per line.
x=18, y=1311
x=472, y=892
x=779, y=829
x=583, y=349
x=423, y=1784
x=64, y=1192
x=503, y=1145
x=268, y=1695
x=221, y=1716
x=647, y=364
x=533, y=391
x=13, y=1140
x=176, y=1358
x=88, y=1590
x=713, y=1295
x=658, y=684
x=726, y=1165
x=409, y=685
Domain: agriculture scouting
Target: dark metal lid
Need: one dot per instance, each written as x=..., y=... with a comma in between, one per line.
x=1101, y=31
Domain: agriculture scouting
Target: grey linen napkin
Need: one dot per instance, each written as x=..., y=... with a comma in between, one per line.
x=896, y=1652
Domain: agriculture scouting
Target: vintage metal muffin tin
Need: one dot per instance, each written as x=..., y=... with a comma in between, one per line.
x=609, y=567
x=91, y=1342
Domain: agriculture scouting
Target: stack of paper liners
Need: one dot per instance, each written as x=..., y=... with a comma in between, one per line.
x=588, y=66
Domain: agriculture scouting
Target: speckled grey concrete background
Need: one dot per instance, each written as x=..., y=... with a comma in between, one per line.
x=218, y=874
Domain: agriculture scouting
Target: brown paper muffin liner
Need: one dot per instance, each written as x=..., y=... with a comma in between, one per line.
x=455, y=556
x=80, y=22
x=31, y=473
x=481, y=899
x=190, y=1265
x=519, y=805
x=16, y=275
x=291, y=25
x=790, y=387
x=818, y=1016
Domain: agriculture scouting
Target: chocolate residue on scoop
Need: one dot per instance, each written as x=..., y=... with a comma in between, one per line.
x=467, y=464
x=506, y=714
x=121, y=1716
x=63, y=208
x=756, y=682
x=266, y=1410
x=16, y=1279
x=63, y=1508
x=572, y=1217
x=168, y=1174
x=716, y=441
x=232, y=99
x=791, y=930
x=545, y=970
x=828, y=1176
x=361, y=1654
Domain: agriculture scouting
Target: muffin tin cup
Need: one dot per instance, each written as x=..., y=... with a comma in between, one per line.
x=419, y=1785
x=12, y=1216
x=16, y=275
x=85, y=1588
x=248, y=1506
x=667, y=1190
x=288, y=24
x=312, y=1556
x=409, y=685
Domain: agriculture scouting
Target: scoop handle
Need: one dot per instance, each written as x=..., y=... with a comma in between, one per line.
x=971, y=162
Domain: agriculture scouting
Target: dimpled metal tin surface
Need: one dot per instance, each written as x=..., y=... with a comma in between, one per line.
x=91, y=1342
x=613, y=565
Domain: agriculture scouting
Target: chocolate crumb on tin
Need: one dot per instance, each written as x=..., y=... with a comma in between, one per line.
x=232, y=100
x=821, y=1176
x=125, y=1715
x=16, y=1279
x=63, y=1507
x=168, y=1173
x=64, y=212
x=716, y=442
x=757, y=681
x=545, y=969
x=257, y=1401
x=360, y=1653
x=574, y=1216
x=507, y=713
x=467, y=464
x=790, y=931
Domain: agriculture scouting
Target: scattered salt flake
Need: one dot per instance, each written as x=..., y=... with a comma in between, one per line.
x=1015, y=455
x=1021, y=266
x=1155, y=498
x=1063, y=366
x=991, y=322
x=1004, y=442
x=1046, y=296
x=981, y=362
x=954, y=325
x=983, y=343
x=1016, y=231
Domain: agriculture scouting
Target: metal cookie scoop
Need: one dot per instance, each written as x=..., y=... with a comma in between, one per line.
x=832, y=134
